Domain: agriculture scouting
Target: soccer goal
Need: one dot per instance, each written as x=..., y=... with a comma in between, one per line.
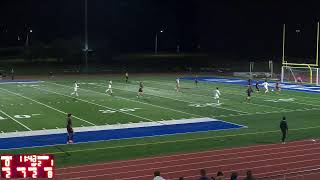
x=300, y=74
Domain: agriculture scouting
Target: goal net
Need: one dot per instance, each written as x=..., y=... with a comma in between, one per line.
x=305, y=75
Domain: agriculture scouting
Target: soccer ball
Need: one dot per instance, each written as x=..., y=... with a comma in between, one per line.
x=272, y=90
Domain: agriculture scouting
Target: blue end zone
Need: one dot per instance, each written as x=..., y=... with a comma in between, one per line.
x=105, y=135
x=287, y=86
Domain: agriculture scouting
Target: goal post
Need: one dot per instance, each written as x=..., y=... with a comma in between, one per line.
x=300, y=74
x=305, y=71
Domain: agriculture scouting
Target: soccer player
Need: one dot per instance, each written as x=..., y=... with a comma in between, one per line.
x=284, y=129
x=196, y=81
x=109, y=88
x=278, y=88
x=257, y=87
x=69, y=129
x=266, y=86
x=249, y=82
x=249, y=93
x=217, y=95
x=127, y=77
x=12, y=74
x=75, y=89
x=140, y=91
x=177, y=84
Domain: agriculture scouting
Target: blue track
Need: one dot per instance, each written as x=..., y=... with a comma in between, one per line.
x=104, y=135
x=287, y=86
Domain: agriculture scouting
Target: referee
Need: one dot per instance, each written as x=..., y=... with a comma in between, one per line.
x=284, y=129
x=69, y=129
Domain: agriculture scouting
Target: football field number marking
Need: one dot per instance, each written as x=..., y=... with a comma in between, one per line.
x=204, y=105
x=20, y=116
x=108, y=111
x=28, y=85
x=280, y=100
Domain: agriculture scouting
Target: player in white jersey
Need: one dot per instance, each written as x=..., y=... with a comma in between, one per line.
x=109, y=88
x=266, y=86
x=177, y=84
x=217, y=95
x=75, y=89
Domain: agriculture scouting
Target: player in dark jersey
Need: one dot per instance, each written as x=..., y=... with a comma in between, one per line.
x=249, y=93
x=140, y=91
x=127, y=77
x=69, y=129
x=277, y=88
x=249, y=82
x=284, y=129
x=196, y=81
x=257, y=87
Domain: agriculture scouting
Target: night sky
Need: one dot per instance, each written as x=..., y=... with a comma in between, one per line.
x=237, y=28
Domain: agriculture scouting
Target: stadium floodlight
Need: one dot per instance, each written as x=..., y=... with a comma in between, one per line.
x=30, y=30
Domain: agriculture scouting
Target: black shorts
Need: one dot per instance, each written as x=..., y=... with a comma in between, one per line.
x=140, y=90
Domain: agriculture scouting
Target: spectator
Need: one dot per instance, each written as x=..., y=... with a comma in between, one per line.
x=220, y=176
x=157, y=176
x=234, y=176
x=181, y=178
x=203, y=175
x=249, y=176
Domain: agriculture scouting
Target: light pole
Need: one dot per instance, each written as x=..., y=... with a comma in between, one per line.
x=27, y=39
x=156, y=42
x=86, y=34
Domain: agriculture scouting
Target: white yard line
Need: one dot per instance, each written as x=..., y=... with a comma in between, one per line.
x=50, y=107
x=232, y=92
x=15, y=120
x=147, y=119
x=145, y=102
x=238, y=111
x=194, y=94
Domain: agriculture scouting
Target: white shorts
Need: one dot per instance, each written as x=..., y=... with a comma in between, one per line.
x=216, y=97
x=75, y=89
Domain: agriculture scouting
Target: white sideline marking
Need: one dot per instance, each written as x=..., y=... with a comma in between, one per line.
x=16, y=120
x=46, y=105
x=112, y=127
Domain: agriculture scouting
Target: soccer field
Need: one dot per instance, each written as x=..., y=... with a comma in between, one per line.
x=42, y=106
